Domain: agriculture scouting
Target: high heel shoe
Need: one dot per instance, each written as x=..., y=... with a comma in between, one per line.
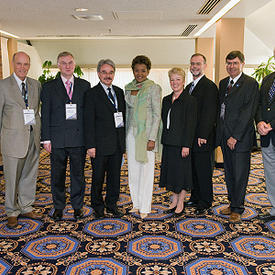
x=143, y=215
x=177, y=215
x=180, y=213
x=169, y=211
x=133, y=210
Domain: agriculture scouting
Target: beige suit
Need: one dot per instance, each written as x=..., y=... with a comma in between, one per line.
x=19, y=144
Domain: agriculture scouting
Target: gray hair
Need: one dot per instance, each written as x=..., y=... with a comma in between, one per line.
x=62, y=54
x=105, y=61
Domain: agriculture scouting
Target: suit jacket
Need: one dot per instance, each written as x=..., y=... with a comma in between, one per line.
x=61, y=132
x=183, y=119
x=240, y=107
x=266, y=110
x=206, y=94
x=15, y=135
x=99, y=124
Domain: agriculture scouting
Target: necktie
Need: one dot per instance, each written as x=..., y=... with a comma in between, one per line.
x=191, y=88
x=24, y=93
x=230, y=85
x=69, y=88
x=271, y=91
x=110, y=95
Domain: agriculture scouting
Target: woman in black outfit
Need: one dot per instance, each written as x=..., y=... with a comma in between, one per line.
x=179, y=122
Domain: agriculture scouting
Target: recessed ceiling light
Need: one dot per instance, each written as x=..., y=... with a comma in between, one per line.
x=91, y=17
x=80, y=9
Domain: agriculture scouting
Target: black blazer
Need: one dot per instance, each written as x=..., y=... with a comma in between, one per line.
x=266, y=110
x=183, y=119
x=206, y=94
x=61, y=132
x=240, y=107
x=99, y=124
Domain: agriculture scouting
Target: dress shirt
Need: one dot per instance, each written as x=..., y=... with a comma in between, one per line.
x=105, y=87
x=19, y=82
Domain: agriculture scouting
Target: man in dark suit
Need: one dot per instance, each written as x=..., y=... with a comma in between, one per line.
x=20, y=139
x=104, y=118
x=265, y=119
x=238, y=98
x=62, y=133
x=206, y=93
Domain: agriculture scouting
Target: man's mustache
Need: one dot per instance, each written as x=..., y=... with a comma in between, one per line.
x=107, y=78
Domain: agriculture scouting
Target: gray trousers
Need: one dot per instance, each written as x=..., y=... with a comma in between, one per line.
x=20, y=181
x=269, y=171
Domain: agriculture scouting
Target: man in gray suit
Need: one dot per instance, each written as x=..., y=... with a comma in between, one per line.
x=265, y=119
x=20, y=139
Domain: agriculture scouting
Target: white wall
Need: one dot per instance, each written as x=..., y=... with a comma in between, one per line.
x=256, y=51
x=162, y=52
x=5, y=57
x=36, y=64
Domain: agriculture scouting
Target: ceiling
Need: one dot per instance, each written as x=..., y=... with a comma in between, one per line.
x=33, y=19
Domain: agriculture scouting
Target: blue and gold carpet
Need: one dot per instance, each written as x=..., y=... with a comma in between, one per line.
x=159, y=244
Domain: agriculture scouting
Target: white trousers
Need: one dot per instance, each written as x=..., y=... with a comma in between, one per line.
x=140, y=177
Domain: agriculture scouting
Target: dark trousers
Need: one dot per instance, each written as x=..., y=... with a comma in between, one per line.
x=202, y=171
x=111, y=165
x=59, y=159
x=236, y=168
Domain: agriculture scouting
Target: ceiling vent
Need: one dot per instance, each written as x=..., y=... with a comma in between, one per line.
x=89, y=17
x=188, y=30
x=208, y=6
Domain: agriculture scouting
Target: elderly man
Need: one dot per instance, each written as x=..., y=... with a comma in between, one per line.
x=104, y=118
x=20, y=139
x=62, y=134
x=238, y=98
x=265, y=119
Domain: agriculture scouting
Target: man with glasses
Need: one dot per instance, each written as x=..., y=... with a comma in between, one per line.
x=104, y=118
x=238, y=98
x=206, y=93
x=265, y=119
x=62, y=134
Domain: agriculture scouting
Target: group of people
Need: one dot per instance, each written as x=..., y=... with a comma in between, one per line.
x=103, y=121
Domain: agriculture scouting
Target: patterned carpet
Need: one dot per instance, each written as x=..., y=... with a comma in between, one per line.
x=160, y=244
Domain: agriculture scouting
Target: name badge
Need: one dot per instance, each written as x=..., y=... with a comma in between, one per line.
x=71, y=111
x=29, y=118
x=118, y=120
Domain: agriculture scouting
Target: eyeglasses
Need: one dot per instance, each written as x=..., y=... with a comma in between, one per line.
x=234, y=63
x=107, y=73
x=63, y=64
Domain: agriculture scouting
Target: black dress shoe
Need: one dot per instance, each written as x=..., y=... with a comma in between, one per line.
x=190, y=204
x=115, y=212
x=266, y=217
x=177, y=215
x=99, y=214
x=169, y=211
x=57, y=214
x=78, y=213
x=200, y=211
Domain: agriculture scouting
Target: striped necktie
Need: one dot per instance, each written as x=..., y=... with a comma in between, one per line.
x=271, y=92
x=191, y=88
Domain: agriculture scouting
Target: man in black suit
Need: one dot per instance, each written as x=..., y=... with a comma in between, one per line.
x=206, y=93
x=238, y=99
x=104, y=118
x=62, y=133
x=265, y=119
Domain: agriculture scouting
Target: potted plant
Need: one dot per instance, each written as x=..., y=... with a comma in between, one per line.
x=264, y=69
